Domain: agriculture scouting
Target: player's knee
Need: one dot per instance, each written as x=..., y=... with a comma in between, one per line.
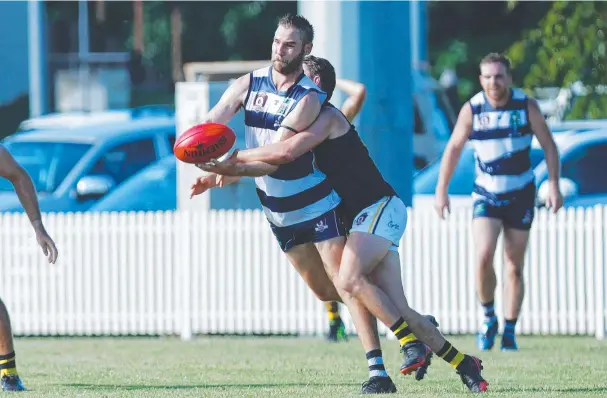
x=485, y=259
x=328, y=294
x=513, y=271
x=351, y=284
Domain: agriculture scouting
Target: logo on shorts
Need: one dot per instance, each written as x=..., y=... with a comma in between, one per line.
x=479, y=209
x=393, y=225
x=527, y=219
x=321, y=226
x=360, y=219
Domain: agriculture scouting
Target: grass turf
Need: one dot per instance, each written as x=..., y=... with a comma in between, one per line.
x=280, y=367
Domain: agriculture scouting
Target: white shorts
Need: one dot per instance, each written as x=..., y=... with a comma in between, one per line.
x=386, y=218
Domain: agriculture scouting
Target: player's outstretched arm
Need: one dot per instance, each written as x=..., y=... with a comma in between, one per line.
x=290, y=149
x=21, y=180
x=357, y=93
x=551, y=154
x=229, y=103
x=453, y=150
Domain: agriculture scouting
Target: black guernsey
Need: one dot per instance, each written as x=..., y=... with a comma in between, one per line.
x=352, y=173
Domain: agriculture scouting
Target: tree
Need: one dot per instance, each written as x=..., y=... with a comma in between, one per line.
x=566, y=47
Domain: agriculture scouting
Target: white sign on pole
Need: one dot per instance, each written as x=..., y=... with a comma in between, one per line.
x=191, y=105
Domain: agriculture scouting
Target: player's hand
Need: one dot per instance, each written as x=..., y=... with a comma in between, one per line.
x=441, y=203
x=46, y=243
x=226, y=167
x=203, y=184
x=554, y=199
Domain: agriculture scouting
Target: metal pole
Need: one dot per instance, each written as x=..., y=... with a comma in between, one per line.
x=83, y=52
x=36, y=58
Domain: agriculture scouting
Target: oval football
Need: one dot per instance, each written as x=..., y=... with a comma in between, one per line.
x=204, y=142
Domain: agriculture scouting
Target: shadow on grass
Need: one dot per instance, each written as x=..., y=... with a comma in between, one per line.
x=85, y=386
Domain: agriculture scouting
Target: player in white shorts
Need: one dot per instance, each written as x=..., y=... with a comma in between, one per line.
x=376, y=220
x=297, y=199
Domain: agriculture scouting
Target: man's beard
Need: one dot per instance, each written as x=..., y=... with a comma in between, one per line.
x=290, y=67
x=501, y=94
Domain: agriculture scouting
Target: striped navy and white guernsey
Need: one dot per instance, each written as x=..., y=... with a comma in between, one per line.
x=297, y=191
x=502, y=141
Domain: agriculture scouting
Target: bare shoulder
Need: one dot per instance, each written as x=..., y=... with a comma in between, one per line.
x=4, y=153
x=241, y=85
x=8, y=165
x=333, y=119
x=533, y=105
x=310, y=99
x=465, y=112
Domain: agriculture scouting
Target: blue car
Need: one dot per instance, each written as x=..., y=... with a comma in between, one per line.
x=152, y=189
x=73, y=167
x=583, y=179
x=155, y=189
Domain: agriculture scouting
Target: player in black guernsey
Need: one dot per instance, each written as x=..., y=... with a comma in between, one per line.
x=370, y=264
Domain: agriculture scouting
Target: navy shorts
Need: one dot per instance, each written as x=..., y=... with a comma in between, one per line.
x=319, y=229
x=515, y=211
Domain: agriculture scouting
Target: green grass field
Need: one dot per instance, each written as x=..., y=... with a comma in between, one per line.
x=292, y=367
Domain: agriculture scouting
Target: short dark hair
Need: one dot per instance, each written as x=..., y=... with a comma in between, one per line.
x=492, y=58
x=325, y=71
x=301, y=24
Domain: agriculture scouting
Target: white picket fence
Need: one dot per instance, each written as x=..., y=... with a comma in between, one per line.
x=222, y=272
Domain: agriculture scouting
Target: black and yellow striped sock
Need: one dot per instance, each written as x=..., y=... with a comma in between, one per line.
x=8, y=365
x=451, y=355
x=333, y=310
x=402, y=332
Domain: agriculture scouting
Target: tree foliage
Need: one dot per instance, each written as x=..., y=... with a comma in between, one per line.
x=460, y=33
x=567, y=46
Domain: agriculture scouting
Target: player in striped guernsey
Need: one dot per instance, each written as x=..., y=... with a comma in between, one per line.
x=297, y=199
x=500, y=123
x=369, y=263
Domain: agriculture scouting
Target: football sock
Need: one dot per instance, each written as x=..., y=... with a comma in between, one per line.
x=376, y=364
x=510, y=325
x=8, y=365
x=451, y=355
x=402, y=332
x=489, y=310
x=332, y=310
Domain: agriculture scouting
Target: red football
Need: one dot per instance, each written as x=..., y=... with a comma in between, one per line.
x=204, y=142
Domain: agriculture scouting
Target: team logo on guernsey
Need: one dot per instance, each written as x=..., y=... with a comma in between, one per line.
x=484, y=121
x=259, y=103
x=285, y=107
x=360, y=219
x=515, y=120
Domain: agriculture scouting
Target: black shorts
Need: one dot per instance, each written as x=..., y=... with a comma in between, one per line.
x=319, y=229
x=515, y=212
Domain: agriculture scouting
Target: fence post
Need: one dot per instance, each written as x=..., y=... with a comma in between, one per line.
x=599, y=243
x=184, y=264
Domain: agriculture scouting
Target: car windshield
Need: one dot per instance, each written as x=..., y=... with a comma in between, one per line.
x=462, y=182
x=48, y=163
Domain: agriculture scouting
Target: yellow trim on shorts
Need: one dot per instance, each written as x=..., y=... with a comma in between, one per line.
x=377, y=213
